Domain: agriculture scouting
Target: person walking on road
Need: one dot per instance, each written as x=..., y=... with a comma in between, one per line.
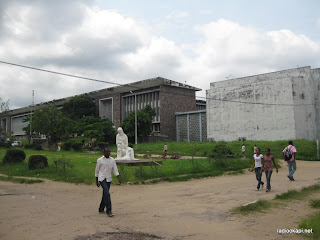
x=104, y=166
x=257, y=165
x=267, y=167
x=289, y=155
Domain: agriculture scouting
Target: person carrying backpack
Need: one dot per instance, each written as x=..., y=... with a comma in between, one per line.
x=289, y=155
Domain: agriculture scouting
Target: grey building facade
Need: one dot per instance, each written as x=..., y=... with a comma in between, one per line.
x=273, y=106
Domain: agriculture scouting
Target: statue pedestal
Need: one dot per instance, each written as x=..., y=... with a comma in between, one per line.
x=126, y=159
x=138, y=163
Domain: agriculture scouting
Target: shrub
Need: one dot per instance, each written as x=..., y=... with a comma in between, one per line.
x=221, y=150
x=14, y=156
x=38, y=147
x=34, y=146
x=5, y=144
x=67, y=146
x=97, y=149
x=220, y=163
x=37, y=162
x=175, y=156
x=62, y=163
x=28, y=146
x=102, y=145
x=77, y=146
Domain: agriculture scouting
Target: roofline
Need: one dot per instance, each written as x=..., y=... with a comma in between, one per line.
x=150, y=83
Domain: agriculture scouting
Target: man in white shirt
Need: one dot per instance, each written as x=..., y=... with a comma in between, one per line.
x=105, y=165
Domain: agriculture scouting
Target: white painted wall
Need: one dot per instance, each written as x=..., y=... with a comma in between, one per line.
x=263, y=107
x=316, y=86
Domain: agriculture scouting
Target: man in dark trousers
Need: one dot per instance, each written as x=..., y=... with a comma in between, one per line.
x=106, y=165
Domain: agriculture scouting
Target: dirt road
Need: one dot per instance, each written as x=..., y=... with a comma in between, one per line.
x=197, y=209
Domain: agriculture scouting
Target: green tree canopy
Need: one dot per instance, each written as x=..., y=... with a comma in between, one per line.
x=78, y=107
x=144, y=122
x=101, y=129
x=51, y=122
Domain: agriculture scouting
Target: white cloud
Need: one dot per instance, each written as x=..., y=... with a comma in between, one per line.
x=106, y=45
x=177, y=15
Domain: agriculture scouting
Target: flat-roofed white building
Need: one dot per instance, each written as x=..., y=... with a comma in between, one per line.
x=273, y=106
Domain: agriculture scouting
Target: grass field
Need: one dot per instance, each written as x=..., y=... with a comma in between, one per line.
x=83, y=167
x=310, y=222
x=83, y=163
x=279, y=199
x=307, y=150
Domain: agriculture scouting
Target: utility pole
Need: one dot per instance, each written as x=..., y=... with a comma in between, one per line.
x=135, y=121
x=31, y=115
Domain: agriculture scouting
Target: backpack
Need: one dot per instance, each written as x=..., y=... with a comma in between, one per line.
x=287, y=154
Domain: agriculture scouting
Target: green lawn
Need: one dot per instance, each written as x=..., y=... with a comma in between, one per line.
x=84, y=166
x=171, y=170
x=307, y=150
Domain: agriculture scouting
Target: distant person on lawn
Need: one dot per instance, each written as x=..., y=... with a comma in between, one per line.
x=243, y=150
x=165, y=149
x=105, y=165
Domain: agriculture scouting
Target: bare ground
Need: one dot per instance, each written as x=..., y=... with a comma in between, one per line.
x=197, y=209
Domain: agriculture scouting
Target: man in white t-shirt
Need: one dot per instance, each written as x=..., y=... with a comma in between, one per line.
x=106, y=165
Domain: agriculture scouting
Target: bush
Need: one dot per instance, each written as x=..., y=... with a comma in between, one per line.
x=97, y=149
x=14, y=156
x=28, y=146
x=37, y=162
x=5, y=144
x=102, y=145
x=221, y=150
x=220, y=163
x=77, y=146
x=66, y=146
x=38, y=147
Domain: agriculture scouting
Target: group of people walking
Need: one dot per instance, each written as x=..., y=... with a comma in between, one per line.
x=262, y=163
x=265, y=163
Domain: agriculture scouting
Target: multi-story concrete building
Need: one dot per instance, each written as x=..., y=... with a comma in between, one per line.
x=165, y=96
x=273, y=106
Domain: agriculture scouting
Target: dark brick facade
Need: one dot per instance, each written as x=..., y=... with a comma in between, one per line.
x=172, y=100
x=116, y=98
x=165, y=96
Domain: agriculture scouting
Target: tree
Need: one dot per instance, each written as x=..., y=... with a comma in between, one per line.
x=101, y=129
x=78, y=107
x=51, y=122
x=4, y=106
x=144, y=123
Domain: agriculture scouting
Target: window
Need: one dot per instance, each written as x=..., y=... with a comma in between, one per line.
x=106, y=108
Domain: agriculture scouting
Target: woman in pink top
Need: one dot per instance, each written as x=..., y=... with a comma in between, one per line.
x=267, y=167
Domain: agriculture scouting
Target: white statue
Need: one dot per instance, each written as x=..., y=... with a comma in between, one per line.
x=124, y=152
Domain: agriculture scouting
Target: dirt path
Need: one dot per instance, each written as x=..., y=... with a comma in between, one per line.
x=197, y=209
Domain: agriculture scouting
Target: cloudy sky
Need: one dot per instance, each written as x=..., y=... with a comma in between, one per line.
x=122, y=41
